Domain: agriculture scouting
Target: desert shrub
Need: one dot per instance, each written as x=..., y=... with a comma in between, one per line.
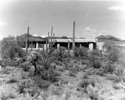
x=114, y=78
x=92, y=93
x=95, y=52
x=109, y=67
x=92, y=71
x=71, y=73
x=81, y=52
x=23, y=85
x=39, y=82
x=119, y=71
x=21, y=88
x=12, y=80
x=95, y=59
x=123, y=78
x=84, y=83
x=10, y=50
x=25, y=66
x=97, y=64
x=56, y=90
x=113, y=55
x=111, y=52
x=5, y=71
x=60, y=54
x=50, y=75
x=6, y=96
x=85, y=62
x=68, y=66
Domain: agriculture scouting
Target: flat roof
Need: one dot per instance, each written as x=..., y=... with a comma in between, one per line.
x=76, y=40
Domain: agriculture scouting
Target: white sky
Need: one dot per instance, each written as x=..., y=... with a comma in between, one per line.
x=92, y=17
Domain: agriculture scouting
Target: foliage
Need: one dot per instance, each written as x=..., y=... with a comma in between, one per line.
x=10, y=51
x=25, y=66
x=60, y=54
x=6, y=96
x=114, y=78
x=95, y=53
x=111, y=52
x=23, y=85
x=12, y=80
x=21, y=88
x=81, y=52
x=10, y=48
x=97, y=64
x=84, y=83
x=109, y=67
x=43, y=84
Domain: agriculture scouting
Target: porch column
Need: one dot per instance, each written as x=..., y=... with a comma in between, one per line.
x=90, y=46
x=80, y=46
x=37, y=45
x=58, y=45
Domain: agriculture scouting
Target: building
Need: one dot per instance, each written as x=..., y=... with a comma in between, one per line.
x=79, y=42
x=39, y=43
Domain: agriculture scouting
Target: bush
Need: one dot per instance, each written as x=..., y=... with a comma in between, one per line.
x=4, y=96
x=109, y=67
x=111, y=52
x=12, y=80
x=21, y=87
x=96, y=53
x=25, y=66
x=43, y=84
x=10, y=48
x=97, y=64
x=114, y=78
x=84, y=83
x=113, y=55
x=24, y=85
x=60, y=54
x=81, y=52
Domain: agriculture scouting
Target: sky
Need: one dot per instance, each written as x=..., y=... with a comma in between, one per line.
x=92, y=18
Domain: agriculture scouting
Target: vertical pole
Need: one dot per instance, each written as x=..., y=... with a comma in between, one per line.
x=27, y=40
x=46, y=45
x=68, y=48
x=74, y=39
x=51, y=34
x=48, y=41
x=43, y=48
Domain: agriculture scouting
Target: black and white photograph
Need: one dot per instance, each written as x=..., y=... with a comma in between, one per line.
x=62, y=49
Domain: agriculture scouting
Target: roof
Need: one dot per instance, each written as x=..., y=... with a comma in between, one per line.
x=85, y=40
x=31, y=38
x=76, y=40
x=36, y=39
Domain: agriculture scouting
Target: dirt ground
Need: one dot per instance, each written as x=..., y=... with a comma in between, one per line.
x=66, y=89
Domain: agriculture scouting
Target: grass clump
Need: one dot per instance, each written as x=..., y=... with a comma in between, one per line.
x=25, y=66
x=6, y=96
x=43, y=84
x=12, y=80
x=114, y=78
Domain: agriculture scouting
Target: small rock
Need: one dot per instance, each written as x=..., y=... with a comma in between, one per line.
x=92, y=92
x=1, y=68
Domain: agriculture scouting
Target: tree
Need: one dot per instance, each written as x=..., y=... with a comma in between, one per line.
x=10, y=48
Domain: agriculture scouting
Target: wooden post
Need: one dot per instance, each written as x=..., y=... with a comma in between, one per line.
x=46, y=45
x=51, y=34
x=68, y=48
x=74, y=39
x=43, y=48
x=27, y=40
x=48, y=42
